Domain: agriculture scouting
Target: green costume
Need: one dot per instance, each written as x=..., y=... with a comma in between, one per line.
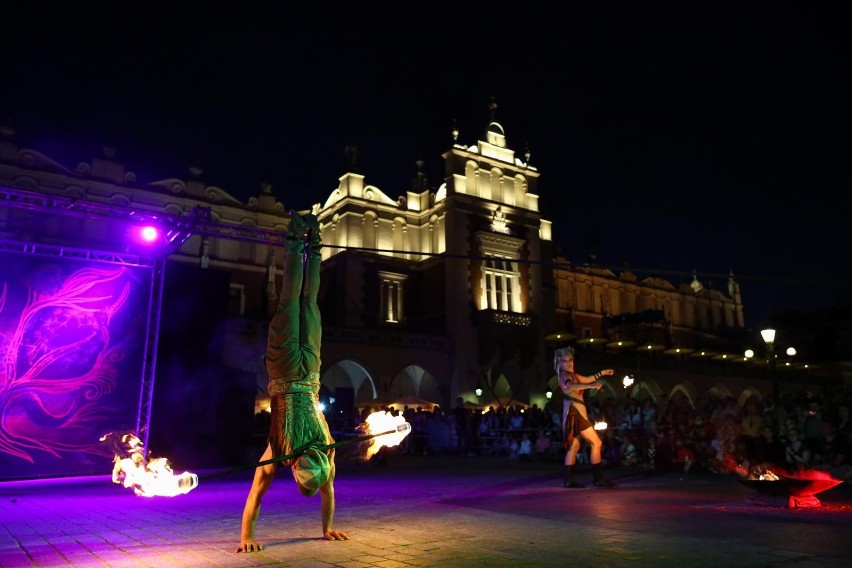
x=293, y=361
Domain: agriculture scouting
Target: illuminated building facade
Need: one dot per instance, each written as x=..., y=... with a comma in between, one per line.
x=426, y=296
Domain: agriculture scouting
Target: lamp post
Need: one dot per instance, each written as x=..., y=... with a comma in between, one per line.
x=768, y=336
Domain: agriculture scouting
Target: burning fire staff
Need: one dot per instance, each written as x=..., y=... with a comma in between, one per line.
x=575, y=417
x=293, y=364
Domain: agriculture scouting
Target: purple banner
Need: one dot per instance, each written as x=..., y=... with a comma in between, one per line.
x=72, y=338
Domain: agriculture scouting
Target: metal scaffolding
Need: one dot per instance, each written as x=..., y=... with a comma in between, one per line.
x=177, y=230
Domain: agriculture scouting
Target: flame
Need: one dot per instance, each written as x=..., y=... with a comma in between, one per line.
x=599, y=425
x=151, y=478
x=388, y=429
x=768, y=475
x=627, y=381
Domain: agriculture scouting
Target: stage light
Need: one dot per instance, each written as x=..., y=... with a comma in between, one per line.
x=149, y=234
x=146, y=235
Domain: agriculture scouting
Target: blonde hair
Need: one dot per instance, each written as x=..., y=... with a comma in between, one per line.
x=559, y=354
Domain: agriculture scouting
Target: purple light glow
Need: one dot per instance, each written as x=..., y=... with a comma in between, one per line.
x=149, y=234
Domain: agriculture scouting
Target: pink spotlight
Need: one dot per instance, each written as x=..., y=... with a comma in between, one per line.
x=149, y=234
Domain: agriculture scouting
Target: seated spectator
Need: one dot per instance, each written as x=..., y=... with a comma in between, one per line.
x=628, y=452
x=797, y=453
x=514, y=447
x=768, y=450
x=811, y=425
x=685, y=457
x=664, y=449
x=542, y=448
x=844, y=423
x=751, y=428
x=650, y=453
x=611, y=451
x=516, y=419
x=525, y=448
x=484, y=428
x=832, y=454
x=728, y=452
x=649, y=417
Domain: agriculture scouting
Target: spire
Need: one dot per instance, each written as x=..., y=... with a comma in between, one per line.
x=419, y=182
x=352, y=159
x=492, y=108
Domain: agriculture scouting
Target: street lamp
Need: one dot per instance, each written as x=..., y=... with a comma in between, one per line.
x=768, y=336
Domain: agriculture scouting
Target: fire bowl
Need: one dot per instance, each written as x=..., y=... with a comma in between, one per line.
x=790, y=486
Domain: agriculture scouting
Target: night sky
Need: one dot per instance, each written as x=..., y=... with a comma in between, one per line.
x=686, y=136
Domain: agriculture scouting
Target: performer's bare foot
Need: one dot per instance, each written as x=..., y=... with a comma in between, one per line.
x=311, y=221
x=314, y=239
x=335, y=535
x=249, y=546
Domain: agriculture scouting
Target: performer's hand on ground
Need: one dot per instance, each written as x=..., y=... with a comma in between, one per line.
x=335, y=535
x=250, y=546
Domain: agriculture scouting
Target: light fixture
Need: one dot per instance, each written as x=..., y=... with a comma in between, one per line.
x=147, y=235
x=768, y=336
x=478, y=391
x=549, y=394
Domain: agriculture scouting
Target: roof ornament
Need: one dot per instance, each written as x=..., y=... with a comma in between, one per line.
x=498, y=222
x=696, y=285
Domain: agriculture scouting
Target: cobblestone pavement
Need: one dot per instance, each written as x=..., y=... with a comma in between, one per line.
x=443, y=511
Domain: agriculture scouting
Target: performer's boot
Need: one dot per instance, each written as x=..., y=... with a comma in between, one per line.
x=569, y=478
x=600, y=480
x=298, y=227
x=314, y=238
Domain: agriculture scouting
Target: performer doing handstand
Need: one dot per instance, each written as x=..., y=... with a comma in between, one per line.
x=293, y=364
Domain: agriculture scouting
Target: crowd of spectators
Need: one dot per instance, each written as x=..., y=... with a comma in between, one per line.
x=803, y=430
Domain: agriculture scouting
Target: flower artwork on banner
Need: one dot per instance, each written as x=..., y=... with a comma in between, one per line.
x=70, y=362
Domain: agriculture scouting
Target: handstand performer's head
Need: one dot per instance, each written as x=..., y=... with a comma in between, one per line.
x=311, y=471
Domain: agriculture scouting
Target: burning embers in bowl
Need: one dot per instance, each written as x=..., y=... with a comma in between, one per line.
x=800, y=488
